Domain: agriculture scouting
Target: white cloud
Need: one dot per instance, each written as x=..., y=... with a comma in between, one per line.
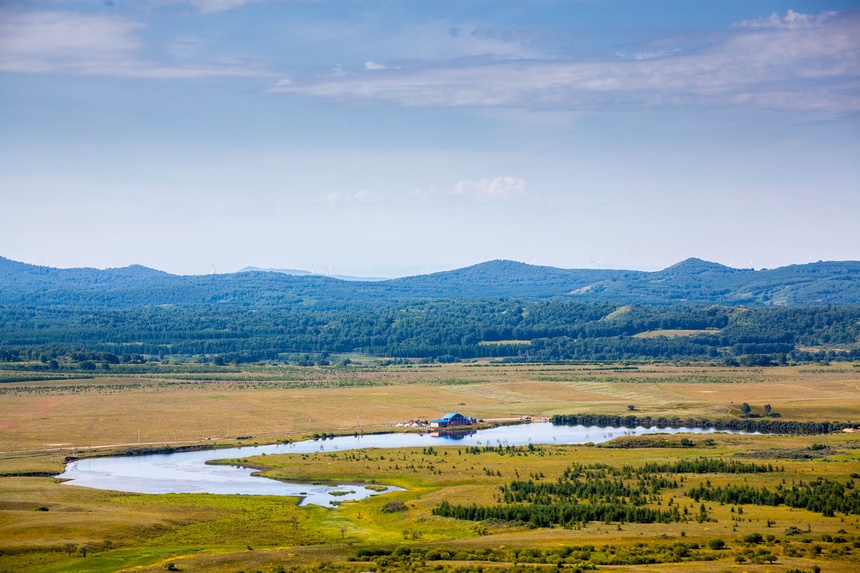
x=344, y=197
x=650, y=55
x=365, y=196
x=209, y=6
x=791, y=19
x=42, y=41
x=421, y=193
x=371, y=65
x=90, y=44
x=487, y=188
x=798, y=62
x=496, y=187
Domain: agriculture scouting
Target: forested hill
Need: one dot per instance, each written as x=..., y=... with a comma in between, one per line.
x=692, y=281
x=74, y=318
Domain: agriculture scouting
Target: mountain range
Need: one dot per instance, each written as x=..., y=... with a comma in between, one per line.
x=692, y=281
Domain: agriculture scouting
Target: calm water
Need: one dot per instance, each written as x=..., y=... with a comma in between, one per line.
x=187, y=472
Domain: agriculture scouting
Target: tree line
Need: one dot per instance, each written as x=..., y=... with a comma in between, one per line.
x=761, y=425
x=439, y=330
x=822, y=496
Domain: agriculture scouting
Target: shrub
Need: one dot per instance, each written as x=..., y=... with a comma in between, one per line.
x=716, y=543
x=393, y=506
x=373, y=552
x=764, y=558
x=753, y=538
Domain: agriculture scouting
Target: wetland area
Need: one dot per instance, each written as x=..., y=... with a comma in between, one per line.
x=511, y=498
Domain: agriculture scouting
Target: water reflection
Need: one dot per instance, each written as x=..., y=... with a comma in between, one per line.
x=453, y=436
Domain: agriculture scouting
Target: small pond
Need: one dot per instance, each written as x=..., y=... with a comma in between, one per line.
x=188, y=472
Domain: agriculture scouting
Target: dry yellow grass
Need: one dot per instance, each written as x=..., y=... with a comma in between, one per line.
x=45, y=416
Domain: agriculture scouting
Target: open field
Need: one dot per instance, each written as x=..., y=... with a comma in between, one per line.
x=288, y=402
x=44, y=524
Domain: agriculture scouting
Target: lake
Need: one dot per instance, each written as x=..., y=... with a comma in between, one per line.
x=188, y=472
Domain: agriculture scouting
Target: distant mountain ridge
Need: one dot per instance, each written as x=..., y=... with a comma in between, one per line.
x=301, y=273
x=692, y=281
x=22, y=277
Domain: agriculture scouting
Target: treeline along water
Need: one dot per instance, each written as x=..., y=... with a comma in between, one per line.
x=748, y=425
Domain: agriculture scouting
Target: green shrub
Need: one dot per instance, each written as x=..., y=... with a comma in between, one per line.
x=753, y=538
x=393, y=506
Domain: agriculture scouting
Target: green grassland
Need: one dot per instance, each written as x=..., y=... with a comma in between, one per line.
x=48, y=526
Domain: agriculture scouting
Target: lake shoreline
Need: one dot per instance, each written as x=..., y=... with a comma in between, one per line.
x=190, y=471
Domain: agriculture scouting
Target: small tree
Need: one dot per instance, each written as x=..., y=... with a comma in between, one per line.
x=745, y=409
x=767, y=409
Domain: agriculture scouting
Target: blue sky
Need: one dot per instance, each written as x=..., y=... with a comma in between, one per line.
x=399, y=137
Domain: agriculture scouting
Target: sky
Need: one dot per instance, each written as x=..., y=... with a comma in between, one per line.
x=391, y=138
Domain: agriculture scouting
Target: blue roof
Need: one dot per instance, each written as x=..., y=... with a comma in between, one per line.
x=450, y=415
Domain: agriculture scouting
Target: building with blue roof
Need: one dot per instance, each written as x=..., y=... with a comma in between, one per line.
x=451, y=420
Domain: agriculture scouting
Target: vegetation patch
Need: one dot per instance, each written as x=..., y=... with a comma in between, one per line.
x=740, y=425
x=813, y=452
x=659, y=441
x=821, y=496
x=672, y=333
x=598, y=492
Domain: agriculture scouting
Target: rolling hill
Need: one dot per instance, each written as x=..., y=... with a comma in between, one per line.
x=692, y=281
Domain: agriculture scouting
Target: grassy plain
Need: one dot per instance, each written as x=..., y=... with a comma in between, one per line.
x=44, y=524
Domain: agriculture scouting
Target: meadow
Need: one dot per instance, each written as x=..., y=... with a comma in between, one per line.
x=48, y=526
